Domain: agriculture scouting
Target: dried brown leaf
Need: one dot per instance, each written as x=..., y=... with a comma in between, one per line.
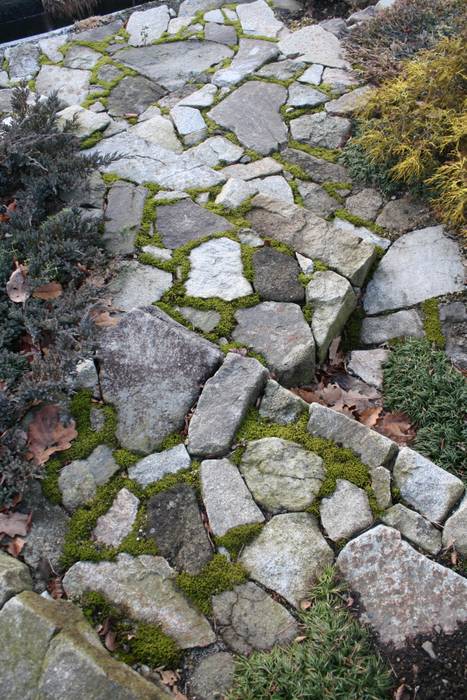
x=396, y=426
x=17, y=287
x=51, y=290
x=103, y=319
x=15, y=546
x=169, y=678
x=48, y=433
x=12, y=524
x=370, y=416
x=110, y=640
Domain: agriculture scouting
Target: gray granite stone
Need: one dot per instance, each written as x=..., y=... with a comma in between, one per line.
x=50, y=47
x=81, y=57
x=216, y=270
x=313, y=44
x=280, y=405
x=381, y=485
x=453, y=317
x=321, y=130
x=157, y=465
x=275, y=186
x=87, y=121
x=276, y=276
x=203, y=320
x=71, y=85
x=112, y=527
x=340, y=80
x=368, y=365
x=125, y=204
x=222, y=34
x=319, y=170
x=312, y=75
x=258, y=19
x=350, y=102
x=253, y=170
x=413, y=527
x=401, y=324
x=301, y=95
x=235, y=192
x=147, y=26
x=14, y=577
x=402, y=215
x=281, y=70
x=186, y=221
x=213, y=677
x=361, y=232
x=189, y=123
x=78, y=481
x=23, y=61
x=252, y=54
x=455, y=529
x=346, y=512
x=133, y=95
x=316, y=199
x=365, y=204
x=204, y=97
x=158, y=130
x=216, y=150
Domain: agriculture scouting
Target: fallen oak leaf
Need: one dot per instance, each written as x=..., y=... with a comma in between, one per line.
x=178, y=695
x=12, y=524
x=15, y=546
x=48, y=433
x=51, y=290
x=370, y=416
x=103, y=319
x=396, y=426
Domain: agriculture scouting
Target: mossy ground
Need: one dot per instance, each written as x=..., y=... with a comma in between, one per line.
x=218, y=575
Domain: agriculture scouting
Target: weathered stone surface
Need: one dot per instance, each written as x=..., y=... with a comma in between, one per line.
x=248, y=619
x=216, y=150
x=220, y=33
x=226, y=498
x=101, y=31
x=279, y=332
x=50, y=47
x=133, y=95
x=109, y=72
x=304, y=96
x=81, y=57
x=252, y=54
x=174, y=521
x=160, y=131
x=217, y=271
x=147, y=343
x=235, y=192
x=312, y=236
x=144, y=589
x=155, y=466
x=78, y=481
x=256, y=169
x=189, y=123
x=71, y=85
x=138, y=285
x=321, y=130
x=186, y=221
x=213, y=677
x=147, y=26
x=368, y=365
x=453, y=317
x=401, y=215
x=365, y=204
x=275, y=186
x=372, y=448
x=276, y=276
x=349, y=103
x=178, y=23
x=281, y=475
x=87, y=122
x=125, y=204
x=319, y=170
x=282, y=70
x=410, y=595
x=223, y=404
x=381, y=485
x=401, y=324
x=316, y=199
x=425, y=486
x=288, y=556
x=204, y=320
x=204, y=97
x=23, y=60
x=420, y=265
x=252, y=113
x=258, y=19
x=362, y=232
x=47, y=649
x=112, y=527
x=455, y=529
x=412, y=526
x=313, y=44
x=173, y=64
x=335, y=25
x=346, y=512
x=332, y=300
x=14, y=577
x=280, y=405
x=312, y=75
x=340, y=80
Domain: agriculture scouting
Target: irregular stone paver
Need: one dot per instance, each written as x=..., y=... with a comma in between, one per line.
x=216, y=150
x=23, y=60
x=425, y=486
x=248, y=619
x=280, y=405
x=112, y=528
x=414, y=527
x=453, y=317
x=227, y=500
x=186, y=221
x=282, y=70
x=251, y=54
x=275, y=186
x=174, y=521
x=172, y=65
x=455, y=529
x=138, y=285
x=48, y=649
x=312, y=236
x=346, y=512
x=87, y=122
x=204, y=320
x=305, y=96
x=221, y=34
x=217, y=271
x=258, y=18
x=153, y=467
x=365, y=204
x=279, y=331
x=160, y=131
x=78, y=481
x=405, y=214
x=204, y=97
x=50, y=47
x=321, y=130
x=319, y=170
x=252, y=113
x=411, y=594
x=420, y=265
x=401, y=324
x=148, y=343
x=133, y=95
x=14, y=577
x=288, y=556
x=349, y=103
x=372, y=448
x=144, y=589
x=312, y=75
x=235, y=192
x=256, y=169
x=147, y=26
x=223, y=404
x=189, y=123
x=71, y=85
x=316, y=199
x=314, y=44
x=360, y=232
x=332, y=300
x=276, y=276
x=340, y=80
x=281, y=475
x=125, y=205
x=81, y=57
x=213, y=677
x=381, y=485
x=368, y=365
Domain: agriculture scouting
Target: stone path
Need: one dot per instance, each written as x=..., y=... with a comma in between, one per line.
x=228, y=208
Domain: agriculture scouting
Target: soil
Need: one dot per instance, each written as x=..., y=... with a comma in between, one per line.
x=326, y=9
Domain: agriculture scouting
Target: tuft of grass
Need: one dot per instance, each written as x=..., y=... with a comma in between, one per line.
x=218, y=575
x=336, y=660
x=420, y=381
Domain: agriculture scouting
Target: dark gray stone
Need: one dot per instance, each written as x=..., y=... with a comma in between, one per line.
x=251, y=54
x=280, y=405
x=14, y=578
x=453, y=317
x=281, y=70
x=174, y=522
x=317, y=200
x=213, y=677
x=401, y=215
x=223, y=34
x=319, y=170
x=186, y=221
x=99, y=33
x=125, y=204
x=133, y=95
x=321, y=130
x=108, y=72
x=276, y=276
x=401, y=324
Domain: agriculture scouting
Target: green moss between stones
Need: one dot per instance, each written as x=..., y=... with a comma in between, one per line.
x=333, y=189
x=238, y=537
x=233, y=345
x=432, y=323
x=308, y=313
x=91, y=140
x=319, y=266
x=322, y=153
x=294, y=170
x=110, y=178
x=357, y=221
x=217, y=576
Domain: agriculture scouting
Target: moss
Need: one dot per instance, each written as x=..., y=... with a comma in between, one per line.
x=91, y=140
x=358, y=221
x=322, y=153
x=304, y=279
x=149, y=645
x=334, y=189
x=319, y=266
x=238, y=537
x=96, y=608
x=147, y=234
x=294, y=170
x=432, y=323
x=110, y=178
x=308, y=313
x=125, y=458
x=217, y=576
x=170, y=441
x=227, y=347
x=281, y=247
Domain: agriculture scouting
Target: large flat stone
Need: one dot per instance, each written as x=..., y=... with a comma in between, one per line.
x=316, y=199
x=144, y=589
x=252, y=113
x=319, y=170
x=413, y=527
x=276, y=276
x=313, y=44
x=216, y=270
x=138, y=285
x=213, y=676
x=223, y=404
x=160, y=131
x=346, y=512
x=172, y=65
x=186, y=221
x=23, y=61
x=78, y=481
x=312, y=236
x=147, y=26
x=420, y=265
x=401, y=324
x=288, y=556
x=251, y=54
x=153, y=467
x=275, y=186
x=216, y=150
x=81, y=57
x=281, y=475
x=425, y=486
x=227, y=500
x=403, y=594
x=146, y=343
x=321, y=130
x=372, y=448
x=70, y=84
x=280, y=333
x=258, y=19
x=125, y=204
x=133, y=95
